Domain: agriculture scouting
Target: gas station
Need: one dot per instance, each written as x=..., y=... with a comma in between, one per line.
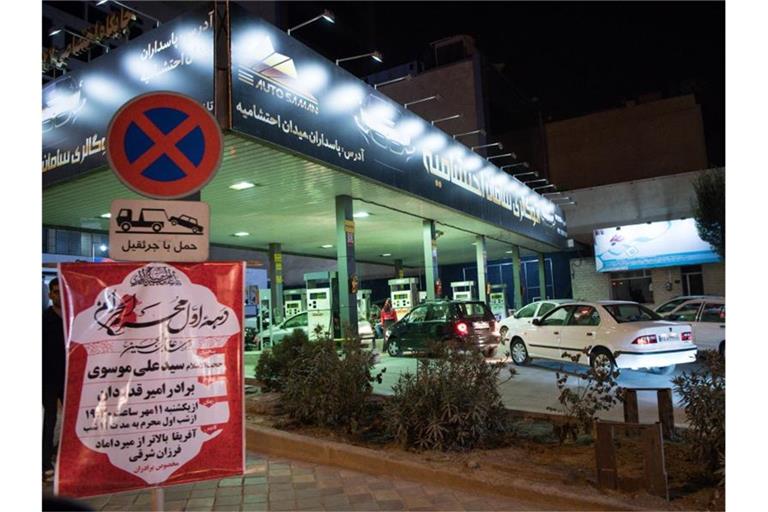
x=315, y=163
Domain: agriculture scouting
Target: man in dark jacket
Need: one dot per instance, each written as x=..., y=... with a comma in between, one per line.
x=53, y=372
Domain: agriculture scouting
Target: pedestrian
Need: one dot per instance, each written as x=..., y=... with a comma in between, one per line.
x=388, y=317
x=53, y=373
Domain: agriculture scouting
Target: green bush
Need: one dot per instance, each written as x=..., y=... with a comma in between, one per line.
x=452, y=403
x=703, y=396
x=274, y=364
x=328, y=388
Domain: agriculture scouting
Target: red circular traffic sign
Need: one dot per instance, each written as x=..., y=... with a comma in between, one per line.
x=164, y=145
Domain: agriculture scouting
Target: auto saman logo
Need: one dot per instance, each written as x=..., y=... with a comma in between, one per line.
x=274, y=73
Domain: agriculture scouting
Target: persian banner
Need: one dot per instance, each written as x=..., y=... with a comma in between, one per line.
x=154, y=389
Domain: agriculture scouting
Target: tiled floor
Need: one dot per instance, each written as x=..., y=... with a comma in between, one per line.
x=271, y=484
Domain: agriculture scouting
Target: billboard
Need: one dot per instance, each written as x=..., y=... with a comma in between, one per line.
x=653, y=244
x=154, y=385
x=77, y=108
x=285, y=93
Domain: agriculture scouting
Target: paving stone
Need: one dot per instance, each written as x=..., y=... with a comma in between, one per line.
x=385, y=495
x=305, y=485
x=367, y=506
x=360, y=498
x=303, y=478
x=200, y=502
x=391, y=505
x=229, y=491
x=203, y=493
x=381, y=485
x=332, y=501
x=174, y=506
x=279, y=479
x=477, y=505
x=97, y=502
x=281, y=487
x=252, y=480
x=282, y=505
x=330, y=491
x=309, y=504
x=281, y=496
x=254, y=498
x=309, y=493
x=231, y=482
x=412, y=502
x=256, y=507
x=234, y=507
x=145, y=499
x=207, y=484
x=177, y=495
x=228, y=500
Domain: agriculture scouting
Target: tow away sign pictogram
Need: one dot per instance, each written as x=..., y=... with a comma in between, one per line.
x=164, y=145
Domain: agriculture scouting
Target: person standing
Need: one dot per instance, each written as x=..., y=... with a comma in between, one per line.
x=53, y=373
x=388, y=317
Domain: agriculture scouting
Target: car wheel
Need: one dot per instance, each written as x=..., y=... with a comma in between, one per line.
x=173, y=222
x=393, y=347
x=721, y=349
x=663, y=370
x=602, y=363
x=503, y=333
x=156, y=227
x=519, y=352
x=197, y=229
x=125, y=226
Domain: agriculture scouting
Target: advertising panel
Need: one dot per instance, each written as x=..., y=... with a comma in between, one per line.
x=654, y=244
x=285, y=93
x=154, y=386
x=76, y=108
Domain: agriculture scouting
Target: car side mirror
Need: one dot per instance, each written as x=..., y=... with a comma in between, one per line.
x=536, y=321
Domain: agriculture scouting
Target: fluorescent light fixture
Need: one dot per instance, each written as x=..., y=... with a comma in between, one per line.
x=393, y=81
x=509, y=252
x=435, y=97
x=101, y=2
x=241, y=234
x=328, y=16
x=106, y=215
x=375, y=55
x=361, y=215
x=242, y=185
x=448, y=118
x=473, y=132
x=503, y=155
x=499, y=144
x=326, y=246
x=386, y=254
x=54, y=31
x=102, y=247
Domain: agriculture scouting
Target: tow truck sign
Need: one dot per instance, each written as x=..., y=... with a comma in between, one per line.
x=144, y=230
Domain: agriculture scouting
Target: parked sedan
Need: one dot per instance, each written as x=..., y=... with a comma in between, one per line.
x=617, y=334
x=668, y=307
x=300, y=321
x=707, y=317
x=523, y=317
x=468, y=322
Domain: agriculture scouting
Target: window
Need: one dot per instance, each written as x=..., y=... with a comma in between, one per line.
x=438, y=312
x=623, y=313
x=634, y=286
x=557, y=317
x=296, y=321
x=474, y=310
x=687, y=312
x=667, y=307
x=545, y=308
x=693, y=280
x=527, y=312
x=417, y=315
x=713, y=313
x=584, y=316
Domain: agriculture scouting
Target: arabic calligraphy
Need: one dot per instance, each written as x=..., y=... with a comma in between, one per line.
x=93, y=145
x=143, y=245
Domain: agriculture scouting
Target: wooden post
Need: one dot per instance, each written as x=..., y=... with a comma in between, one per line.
x=655, y=471
x=631, y=414
x=666, y=412
x=158, y=499
x=605, y=454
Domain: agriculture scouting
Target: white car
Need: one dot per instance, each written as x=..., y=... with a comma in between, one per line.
x=523, y=317
x=707, y=317
x=668, y=307
x=299, y=321
x=619, y=334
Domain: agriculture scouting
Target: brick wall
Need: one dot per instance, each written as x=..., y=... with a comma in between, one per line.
x=587, y=283
x=714, y=278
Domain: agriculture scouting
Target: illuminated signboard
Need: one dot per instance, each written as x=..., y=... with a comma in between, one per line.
x=285, y=93
x=177, y=56
x=654, y=244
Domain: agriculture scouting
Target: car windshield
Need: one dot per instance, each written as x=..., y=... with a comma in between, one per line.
x=669, y=306
x=474, y=310
x=623, y=313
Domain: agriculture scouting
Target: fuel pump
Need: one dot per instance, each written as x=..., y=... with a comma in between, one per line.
x=463, y=290
x=404, y=293
x=321, y=306
x=498, y=301
x=363, y=304
x=294, y=301
x=265, y=313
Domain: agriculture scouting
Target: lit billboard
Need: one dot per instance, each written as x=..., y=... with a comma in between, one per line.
x=653, y=244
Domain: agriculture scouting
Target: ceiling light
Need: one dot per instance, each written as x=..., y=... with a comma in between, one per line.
x=54, y=31
x=508, y=252
x=241, y=233
x=361, y=215
x=106, y=215
x=326, y=246
x=377, y=57
x=328, y=16
x=242, y=185
x=386, y=254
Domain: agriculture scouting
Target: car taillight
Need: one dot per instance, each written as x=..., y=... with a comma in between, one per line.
x=687, y=336
x=462, y=329
x=645, y=340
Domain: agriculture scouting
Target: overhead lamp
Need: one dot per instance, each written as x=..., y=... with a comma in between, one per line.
x=326, y=246
x=545, y=194
x=517, y=164
x=473, y=132
x=544, y=187
x=374, y=55
x=242, y=185
x=386, y=254
x=509, y=251
x=542, y=180
x=436, y=97
x=107, y=215
x=455, y=116
x=393, y=81
x=503, y=155
x=157, y=21
x=532, y=173
x=564, y=198
x=361, y=215
x=55, y=31
x=499, y=144
x=326, y=15
x=241, y=234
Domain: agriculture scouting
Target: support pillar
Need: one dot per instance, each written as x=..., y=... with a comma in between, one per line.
x=399, y=269
x=542, y=278
x=482, y=269
x=347, y=268
x=429, y=241
x=517, y=297
x=276, y=283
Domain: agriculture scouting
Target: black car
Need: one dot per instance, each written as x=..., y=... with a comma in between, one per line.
x=467, y=322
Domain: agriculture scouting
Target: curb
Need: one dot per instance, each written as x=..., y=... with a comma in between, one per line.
x=278, y=443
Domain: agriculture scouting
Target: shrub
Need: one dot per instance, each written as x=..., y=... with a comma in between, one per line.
x=250, y=339
x=452, y=403
x=581, y=405
x=329, y=389
x=702, y=394
x=274, y=364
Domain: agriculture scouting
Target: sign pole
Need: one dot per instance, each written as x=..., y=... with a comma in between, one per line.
x=158, y=499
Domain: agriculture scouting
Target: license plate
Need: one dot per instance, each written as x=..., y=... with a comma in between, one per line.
x=673, y=336
x=481, y=325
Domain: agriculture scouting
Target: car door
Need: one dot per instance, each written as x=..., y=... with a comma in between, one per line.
x=412, y=333
x=709, y=329
x=543, y=339
x=580, y=331
x=437, y=326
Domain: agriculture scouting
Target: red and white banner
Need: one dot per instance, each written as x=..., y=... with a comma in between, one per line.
x=154, y=389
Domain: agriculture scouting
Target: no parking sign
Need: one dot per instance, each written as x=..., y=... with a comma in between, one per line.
x=164, y=145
